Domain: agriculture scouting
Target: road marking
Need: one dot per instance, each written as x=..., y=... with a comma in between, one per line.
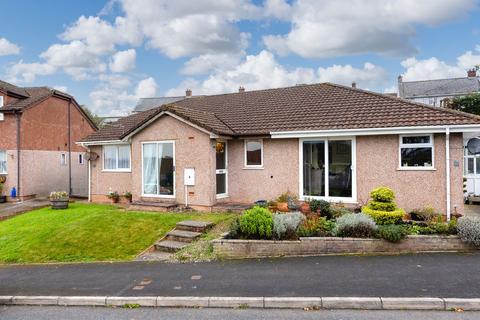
x=196, y=277
x=138, y=288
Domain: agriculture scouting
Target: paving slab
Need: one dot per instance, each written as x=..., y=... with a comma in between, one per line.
x=35, y=300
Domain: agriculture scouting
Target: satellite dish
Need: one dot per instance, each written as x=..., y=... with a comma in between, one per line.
x=91, y=156
x=473, y=145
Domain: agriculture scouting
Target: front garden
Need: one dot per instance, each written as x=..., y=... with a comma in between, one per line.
x=87, y=232
x=287, y=219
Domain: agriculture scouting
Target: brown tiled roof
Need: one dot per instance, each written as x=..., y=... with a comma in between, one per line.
x=322, y=106
x=8, y=87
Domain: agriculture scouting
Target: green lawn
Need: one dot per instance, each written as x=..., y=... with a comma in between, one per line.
x=86, y=232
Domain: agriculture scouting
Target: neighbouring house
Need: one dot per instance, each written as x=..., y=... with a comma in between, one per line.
x=38, y=154
x=321, y=141
x=145, y=104
x=439, y=92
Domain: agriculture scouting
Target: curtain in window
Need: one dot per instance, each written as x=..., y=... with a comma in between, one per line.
x=3, y=161
x=124, y=157
x=150, y=168
x=110, y=157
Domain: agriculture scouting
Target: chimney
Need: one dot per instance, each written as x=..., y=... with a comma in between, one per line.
x=472, y=73
x=400, y=86
x=241, y=89
x=188, y=93
x=354, y=84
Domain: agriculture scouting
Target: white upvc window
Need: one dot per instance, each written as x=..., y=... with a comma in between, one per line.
x=3, y=162
x=416, y=152
x=116, y=158
x=254, y=154
x=1, y=101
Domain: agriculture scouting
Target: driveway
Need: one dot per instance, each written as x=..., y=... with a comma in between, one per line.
x=426, y=275
x=472, y=210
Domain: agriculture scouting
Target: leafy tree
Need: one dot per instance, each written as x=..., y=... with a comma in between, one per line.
x=94, y=117
x=470, y=103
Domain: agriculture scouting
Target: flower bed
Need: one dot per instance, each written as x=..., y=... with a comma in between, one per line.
x=239, y=248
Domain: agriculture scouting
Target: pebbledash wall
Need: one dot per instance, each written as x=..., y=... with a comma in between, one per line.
x=377, y=164
x=44, y=138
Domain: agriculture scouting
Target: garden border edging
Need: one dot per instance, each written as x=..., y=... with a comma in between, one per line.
x=239, y=248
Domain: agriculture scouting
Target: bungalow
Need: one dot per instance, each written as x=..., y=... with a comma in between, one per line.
x=38, y=154
x=322, y=141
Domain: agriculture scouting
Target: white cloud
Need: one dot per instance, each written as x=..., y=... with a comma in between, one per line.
x=187, y=28
x=279, y=9
x=113, y=97
x=7, y=48
x=433, y=68
x=123, y=61
x=208, y=62
x=61, y=88
x=22, y=72
x=332, y=28
x=264, y=71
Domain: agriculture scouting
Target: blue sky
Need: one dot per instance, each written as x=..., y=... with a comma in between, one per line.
x=109, y=53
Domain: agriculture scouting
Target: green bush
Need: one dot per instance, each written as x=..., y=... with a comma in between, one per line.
x=424, y=214
x=392, y=233
x=285, y=225
x=339, y=211
x=382, y=206
x=256, y=223
x=382, y=194
x=469, y=230
x=384, y=217
x=357, y=225
x=235, y=231
x=316, y=227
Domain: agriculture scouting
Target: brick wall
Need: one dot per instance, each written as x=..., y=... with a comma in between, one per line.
x=227, y=248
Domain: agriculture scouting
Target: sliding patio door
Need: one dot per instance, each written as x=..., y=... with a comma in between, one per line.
x=158, y=163
x=327, y=167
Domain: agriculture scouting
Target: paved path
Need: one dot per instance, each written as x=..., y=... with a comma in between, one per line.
x=83, y=313
x=10, y=209
x=431, y=275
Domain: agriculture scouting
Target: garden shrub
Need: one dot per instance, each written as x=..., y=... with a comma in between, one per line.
x=323, y=206
x=424, y=214
x=382, y=208
x=315, y=227
x=357, y=225
x=384, y=217
x=337, y=212
x=256, y=223
x=285, y=225
x=235, y=231
x=468, y=229
x=392, y=233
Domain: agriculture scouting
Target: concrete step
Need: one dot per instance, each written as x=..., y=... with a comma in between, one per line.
x=193, y=226
x=152, y=206
x=182, y=235
x=170, y=246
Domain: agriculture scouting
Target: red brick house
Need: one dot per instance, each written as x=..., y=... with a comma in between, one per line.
x=38, y=154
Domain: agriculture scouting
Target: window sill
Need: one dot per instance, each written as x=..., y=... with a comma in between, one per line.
x=124, y=171
x=416, y=169
x=222, y=196
x=253, y=168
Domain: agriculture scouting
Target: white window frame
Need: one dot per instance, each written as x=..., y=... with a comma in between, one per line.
x=222, y=171
x=6, y=162
x=353, y=198
x=247, y=166
x=148, y=195
x=129, y=169
x=2, y=101
x=401, y=145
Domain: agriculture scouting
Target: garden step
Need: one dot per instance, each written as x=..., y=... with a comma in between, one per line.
x=152, y=206
x=193, y=226
x=170, y=246
x=182, y=235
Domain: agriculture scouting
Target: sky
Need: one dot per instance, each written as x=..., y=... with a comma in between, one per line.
x=108, y=54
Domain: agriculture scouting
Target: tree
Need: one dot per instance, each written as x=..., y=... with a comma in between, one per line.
x=470, y=103
x=95, y=118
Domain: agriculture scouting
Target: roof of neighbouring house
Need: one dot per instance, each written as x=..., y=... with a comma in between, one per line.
x=439, y=87
x=145, y=104
x=25, y=97
x=323, y=106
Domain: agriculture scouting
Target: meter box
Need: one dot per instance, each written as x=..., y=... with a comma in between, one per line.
x=189, y=176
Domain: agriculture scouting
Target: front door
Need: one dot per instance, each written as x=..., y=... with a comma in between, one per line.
x=158, y=163
x=327, y=169
x=472, y=172
x=221, y=170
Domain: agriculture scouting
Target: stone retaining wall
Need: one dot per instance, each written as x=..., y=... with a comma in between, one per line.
x=232, y=248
